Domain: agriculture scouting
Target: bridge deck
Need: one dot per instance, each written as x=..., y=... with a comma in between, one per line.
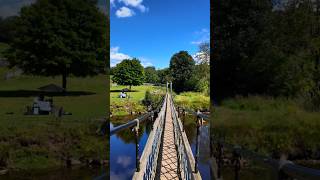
x=169, y=159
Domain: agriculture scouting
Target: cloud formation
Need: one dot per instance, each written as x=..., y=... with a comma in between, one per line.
x=116, y=57
x=135, y=3
x=127, y=7
x=124, y=12
x=201, y=36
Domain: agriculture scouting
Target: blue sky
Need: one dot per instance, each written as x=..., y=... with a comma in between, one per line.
x=153, y=30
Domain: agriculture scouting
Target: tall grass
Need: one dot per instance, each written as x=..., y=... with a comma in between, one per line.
x=192, y=100
x=269, y=125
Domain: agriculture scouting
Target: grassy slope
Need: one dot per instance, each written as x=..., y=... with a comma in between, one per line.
x=33, y=142
x=269, y=125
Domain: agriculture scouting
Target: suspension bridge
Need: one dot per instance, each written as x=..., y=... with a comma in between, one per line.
x=167, y=153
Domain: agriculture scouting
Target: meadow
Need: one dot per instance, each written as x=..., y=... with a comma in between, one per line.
x=271, y=126
x=45, y=141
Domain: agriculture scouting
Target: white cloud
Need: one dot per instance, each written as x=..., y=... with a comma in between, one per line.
x=135, y=3
x=124, y=161
x=201, y=36
x=124, y=12
x=145, y=62
x=116, y=57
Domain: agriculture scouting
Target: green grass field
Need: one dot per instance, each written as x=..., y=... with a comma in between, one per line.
x=39, y=142
x=193, y=100
x=271, y=126
x=120, y=106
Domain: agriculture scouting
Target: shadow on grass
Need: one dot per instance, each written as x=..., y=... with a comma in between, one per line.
x=31, y=93
x=121, y=91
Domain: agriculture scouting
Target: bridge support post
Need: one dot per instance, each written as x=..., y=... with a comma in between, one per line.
x=220, y=158
x=197, y=143
x=236, y=161
x=136, y=133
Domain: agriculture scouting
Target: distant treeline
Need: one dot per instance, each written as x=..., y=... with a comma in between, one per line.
x=266, y=47
x=186, y=73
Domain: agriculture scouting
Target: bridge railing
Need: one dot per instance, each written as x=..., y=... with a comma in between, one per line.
x=149, y=158
x=139, y=120
x=186, y=162
x=284, y=169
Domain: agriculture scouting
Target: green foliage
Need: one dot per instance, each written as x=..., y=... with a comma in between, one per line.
x=261, y=50
x=151, y=75
x=7, y=29
x=129, y=73
x=269, y=125
x=64, y=37
x=182, y=69
x=164, y=75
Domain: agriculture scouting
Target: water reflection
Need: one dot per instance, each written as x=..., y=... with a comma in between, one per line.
x=61, y=174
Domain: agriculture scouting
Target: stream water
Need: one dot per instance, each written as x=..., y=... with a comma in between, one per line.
x=122, y=149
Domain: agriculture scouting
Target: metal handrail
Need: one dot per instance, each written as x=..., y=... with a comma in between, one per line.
x=185, y=156
x=140, y=119
x=151, y=150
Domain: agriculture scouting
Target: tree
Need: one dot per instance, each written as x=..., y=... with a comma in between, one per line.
x=182, y=69
x=201, y=76
x=129, y=73
x=60, y=37
x=164, y=75
x=151, y=75
x=7, y=29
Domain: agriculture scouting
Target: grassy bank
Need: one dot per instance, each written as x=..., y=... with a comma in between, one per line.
x=40, y=142
x=123, y=106
x=271, y=126
x=192, y=100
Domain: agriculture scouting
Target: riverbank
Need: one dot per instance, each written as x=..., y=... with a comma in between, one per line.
x=270, y=126
x=124, y=106
x=35, y=142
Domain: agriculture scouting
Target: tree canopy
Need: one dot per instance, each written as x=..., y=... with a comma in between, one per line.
x=60, y=37
x=129, y=73
x=182, y=69
x=261, y=47
x=151, y=75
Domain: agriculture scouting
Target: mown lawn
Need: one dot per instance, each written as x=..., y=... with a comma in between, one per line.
x=272, y=126
x=121, y=106
x=40, y=142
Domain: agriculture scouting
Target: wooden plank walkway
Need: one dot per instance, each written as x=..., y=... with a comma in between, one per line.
x=169, y=160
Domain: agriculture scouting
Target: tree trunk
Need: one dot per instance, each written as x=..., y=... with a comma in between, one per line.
x=130, y=88
x=64, y=81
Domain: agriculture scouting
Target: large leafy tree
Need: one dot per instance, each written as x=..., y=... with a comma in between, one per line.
x=151, y=75
x=60, y=37
x=182, y=69
x=129, y=73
